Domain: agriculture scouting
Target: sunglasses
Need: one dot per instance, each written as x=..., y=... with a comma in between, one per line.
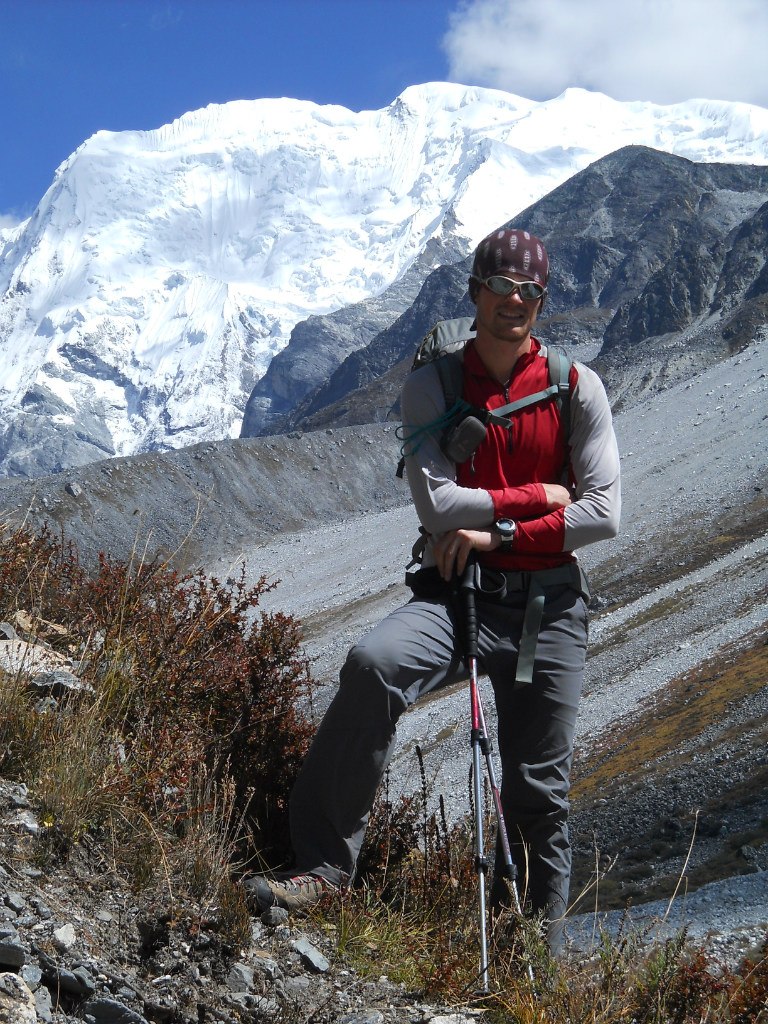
x=529, y=290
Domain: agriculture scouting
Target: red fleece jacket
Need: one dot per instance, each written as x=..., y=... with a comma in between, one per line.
x=513, y=464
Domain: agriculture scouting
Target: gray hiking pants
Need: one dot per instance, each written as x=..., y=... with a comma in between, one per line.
x=414, y=651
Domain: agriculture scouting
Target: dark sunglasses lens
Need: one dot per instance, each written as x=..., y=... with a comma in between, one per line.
x=531, y=290
x=500, y=285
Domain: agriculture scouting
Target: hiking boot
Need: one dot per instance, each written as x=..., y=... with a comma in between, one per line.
x=292, y=892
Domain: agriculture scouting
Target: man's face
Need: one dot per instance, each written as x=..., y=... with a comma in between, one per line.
x=506, y=317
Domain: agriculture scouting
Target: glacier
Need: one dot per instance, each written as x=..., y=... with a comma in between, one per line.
x=163, y=269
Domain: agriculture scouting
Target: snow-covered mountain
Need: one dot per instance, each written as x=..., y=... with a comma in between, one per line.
x=164, y=269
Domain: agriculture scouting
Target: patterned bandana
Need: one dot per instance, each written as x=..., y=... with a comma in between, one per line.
x=517, y=252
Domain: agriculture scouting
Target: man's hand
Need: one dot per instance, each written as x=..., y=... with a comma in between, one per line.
x=453, y=548
x=557, y=496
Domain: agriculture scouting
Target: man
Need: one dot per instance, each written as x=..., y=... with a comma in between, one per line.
x=508, y=505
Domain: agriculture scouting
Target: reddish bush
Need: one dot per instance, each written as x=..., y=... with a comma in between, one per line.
x=186, y=671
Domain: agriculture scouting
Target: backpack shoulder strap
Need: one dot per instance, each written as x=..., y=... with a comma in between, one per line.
x=444, y=346
x=450, y=370
x=559, y=366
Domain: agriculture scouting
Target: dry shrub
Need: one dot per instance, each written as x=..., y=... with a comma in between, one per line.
x=748, y=1001
x=185, y=673
x=21, y=728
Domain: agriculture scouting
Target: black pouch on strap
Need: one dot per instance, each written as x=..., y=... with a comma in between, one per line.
x=427, y=584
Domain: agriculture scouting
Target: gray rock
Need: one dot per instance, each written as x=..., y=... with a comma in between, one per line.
x=15, y=901
x=85, y=978
x=43, y=1004
x=32, y=975
x=240, y=978
x=64, y=938
x=76, y=983
x=275, y=916
x=27, y=820
x=42, y=910
x=311, y=957
x=19, y=795
x=12, y=951
x=756, y=856
x=265, y=1007
x=268, y=968
x=297, y=987
x=110, y=1011
x=57, y=683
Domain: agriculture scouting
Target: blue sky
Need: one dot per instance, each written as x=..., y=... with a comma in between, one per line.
x=71, y=67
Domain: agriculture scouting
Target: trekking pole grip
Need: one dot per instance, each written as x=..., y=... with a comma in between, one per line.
x=469, y=586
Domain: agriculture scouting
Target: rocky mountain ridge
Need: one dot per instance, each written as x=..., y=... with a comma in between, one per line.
x=658, y=269
x=145, y=298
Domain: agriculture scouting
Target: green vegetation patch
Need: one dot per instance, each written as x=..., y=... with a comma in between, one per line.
x=677, y=717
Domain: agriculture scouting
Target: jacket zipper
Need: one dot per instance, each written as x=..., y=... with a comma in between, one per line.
x=509, y=431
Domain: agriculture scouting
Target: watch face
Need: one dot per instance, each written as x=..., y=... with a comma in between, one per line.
x=506, y=528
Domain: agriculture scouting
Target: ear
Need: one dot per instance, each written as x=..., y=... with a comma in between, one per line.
x=473, y=288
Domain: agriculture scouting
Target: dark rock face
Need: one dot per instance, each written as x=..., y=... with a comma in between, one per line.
x=321, y=344
x=368, y=382
x=655, y=261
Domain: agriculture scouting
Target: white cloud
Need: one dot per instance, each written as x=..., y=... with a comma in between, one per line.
x=9, y=220
x=659, y=50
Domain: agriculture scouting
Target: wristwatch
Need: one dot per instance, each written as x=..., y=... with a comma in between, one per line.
x=507, y=529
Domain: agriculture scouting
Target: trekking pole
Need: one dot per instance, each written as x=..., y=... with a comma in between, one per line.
x=481, y=745
x=468, y=588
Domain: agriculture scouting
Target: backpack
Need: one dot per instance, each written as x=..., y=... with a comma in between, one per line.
x=464, y=426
